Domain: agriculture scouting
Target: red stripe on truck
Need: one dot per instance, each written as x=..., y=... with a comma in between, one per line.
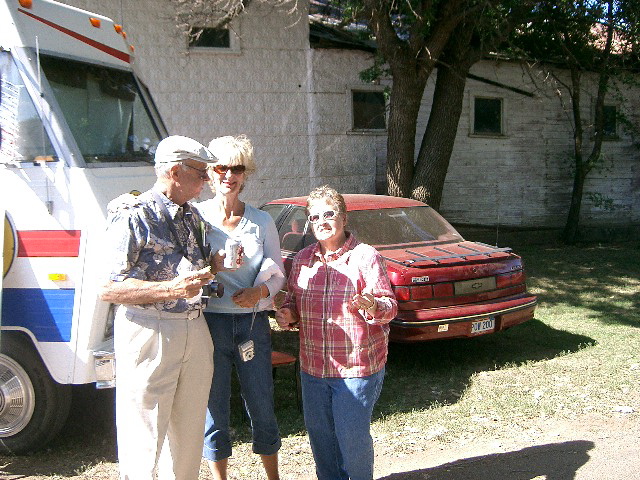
x=89, y=41
x=48, y=243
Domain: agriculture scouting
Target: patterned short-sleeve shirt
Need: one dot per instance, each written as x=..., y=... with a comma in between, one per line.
x=142, y=245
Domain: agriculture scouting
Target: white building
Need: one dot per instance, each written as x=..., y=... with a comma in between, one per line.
x=294, y=99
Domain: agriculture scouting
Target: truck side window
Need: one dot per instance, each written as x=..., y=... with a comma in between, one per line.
x=104, y=109
x=23, y=137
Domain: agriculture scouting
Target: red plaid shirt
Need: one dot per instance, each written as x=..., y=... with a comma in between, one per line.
x=336, y=341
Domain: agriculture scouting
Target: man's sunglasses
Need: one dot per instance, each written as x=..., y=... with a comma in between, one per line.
x=328, y=215
x=222, y=169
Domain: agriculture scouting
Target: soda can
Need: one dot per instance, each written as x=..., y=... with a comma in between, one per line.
x=233, y=254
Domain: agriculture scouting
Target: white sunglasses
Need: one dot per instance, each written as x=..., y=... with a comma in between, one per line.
x=326, y=215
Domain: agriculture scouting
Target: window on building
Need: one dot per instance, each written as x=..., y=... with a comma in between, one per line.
x=487, y=116
x=368, y=110
x=211, y=37
x=610, y=121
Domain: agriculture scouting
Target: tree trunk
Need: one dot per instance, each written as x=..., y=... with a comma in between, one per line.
x=406, y=95
x=570, y=232
x=440, y=135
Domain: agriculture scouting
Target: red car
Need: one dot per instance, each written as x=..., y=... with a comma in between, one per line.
x=446, y=286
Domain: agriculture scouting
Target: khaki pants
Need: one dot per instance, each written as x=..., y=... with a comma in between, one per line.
x=164, y=366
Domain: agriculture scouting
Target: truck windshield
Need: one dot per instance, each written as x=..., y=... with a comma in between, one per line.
x=104, y=110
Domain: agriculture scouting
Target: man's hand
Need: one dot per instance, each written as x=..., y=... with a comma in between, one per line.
x=132, y=291
x=189, y=285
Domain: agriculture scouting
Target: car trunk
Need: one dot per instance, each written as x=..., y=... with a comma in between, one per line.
x=427, y=276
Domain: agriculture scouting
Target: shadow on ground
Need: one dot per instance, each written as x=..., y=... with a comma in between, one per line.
x=556, y=461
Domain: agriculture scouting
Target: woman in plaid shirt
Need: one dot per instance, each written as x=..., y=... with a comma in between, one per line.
x=340, y=298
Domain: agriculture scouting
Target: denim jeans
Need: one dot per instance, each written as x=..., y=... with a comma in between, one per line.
x=256, y=384
x=337, y=414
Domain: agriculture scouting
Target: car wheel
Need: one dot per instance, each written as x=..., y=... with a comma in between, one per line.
x=33, y=407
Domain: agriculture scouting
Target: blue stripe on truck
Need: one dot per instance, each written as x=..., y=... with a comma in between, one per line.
x=48, y=314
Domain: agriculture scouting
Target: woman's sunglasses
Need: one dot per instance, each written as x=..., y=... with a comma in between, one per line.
x=328, y=215
x=222, y=169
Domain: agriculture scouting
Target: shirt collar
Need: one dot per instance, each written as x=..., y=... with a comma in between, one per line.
x=172, y=208
x=346, y=246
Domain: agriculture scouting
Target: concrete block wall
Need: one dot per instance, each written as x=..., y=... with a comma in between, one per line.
x=349, y=161
x=525, y=178
x=293, y=102
x=259, y=90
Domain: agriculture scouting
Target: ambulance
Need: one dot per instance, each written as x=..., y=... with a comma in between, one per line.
x=79, y=128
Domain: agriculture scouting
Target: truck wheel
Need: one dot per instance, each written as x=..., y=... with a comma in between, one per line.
x=33, y=407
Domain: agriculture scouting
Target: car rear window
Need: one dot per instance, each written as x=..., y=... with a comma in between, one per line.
x=400, y=225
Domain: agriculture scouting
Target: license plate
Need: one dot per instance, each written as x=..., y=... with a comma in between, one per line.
x=485, y=325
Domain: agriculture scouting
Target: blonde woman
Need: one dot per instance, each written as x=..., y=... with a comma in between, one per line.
x=238, y=320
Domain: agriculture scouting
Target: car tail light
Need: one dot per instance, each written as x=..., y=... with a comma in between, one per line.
x=423, y=291
x=443, y=290
x=403, y=294
x=510, y=279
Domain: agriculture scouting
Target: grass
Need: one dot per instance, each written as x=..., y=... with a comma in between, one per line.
x=578, y=357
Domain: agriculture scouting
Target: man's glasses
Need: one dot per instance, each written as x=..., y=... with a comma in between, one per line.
x=222, y=169
x=326, y=216
x=201, y=171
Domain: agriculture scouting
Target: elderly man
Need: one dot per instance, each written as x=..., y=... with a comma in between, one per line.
x=164, y=352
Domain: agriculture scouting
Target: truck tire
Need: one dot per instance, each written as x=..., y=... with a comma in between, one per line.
x=33, y=407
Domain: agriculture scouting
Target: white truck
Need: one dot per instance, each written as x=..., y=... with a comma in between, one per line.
x=79, y=128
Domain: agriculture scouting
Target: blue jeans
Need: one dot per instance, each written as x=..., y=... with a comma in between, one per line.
x=256, y=384
x=337, y=414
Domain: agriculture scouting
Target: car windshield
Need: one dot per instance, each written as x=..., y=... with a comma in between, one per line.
x=389, y=226
x=104, y=109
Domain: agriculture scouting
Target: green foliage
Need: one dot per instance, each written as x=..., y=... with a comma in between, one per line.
x=602, y=201
x=375, y=71
x=570, y=32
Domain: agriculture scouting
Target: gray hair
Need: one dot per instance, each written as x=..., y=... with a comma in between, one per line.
x=325, y=192
x=164, y=169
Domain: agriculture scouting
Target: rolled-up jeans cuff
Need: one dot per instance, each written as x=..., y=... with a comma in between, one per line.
x=265, y=449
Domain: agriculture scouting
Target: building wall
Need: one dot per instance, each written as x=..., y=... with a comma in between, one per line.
x=288, y=99
x=348, y=160
x=525, y=178
x=260, y=90
x=293, y=102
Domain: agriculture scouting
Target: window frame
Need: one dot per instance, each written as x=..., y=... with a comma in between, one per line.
x=234, y=41
x=472, y=117
x=616, y=134
x=350, y=107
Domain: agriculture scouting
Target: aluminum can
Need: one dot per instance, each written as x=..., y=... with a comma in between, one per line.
x=233, y=254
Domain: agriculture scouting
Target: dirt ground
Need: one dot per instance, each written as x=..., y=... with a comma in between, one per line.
x=589, y=448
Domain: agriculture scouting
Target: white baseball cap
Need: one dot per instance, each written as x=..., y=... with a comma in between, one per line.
x=177, y=148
